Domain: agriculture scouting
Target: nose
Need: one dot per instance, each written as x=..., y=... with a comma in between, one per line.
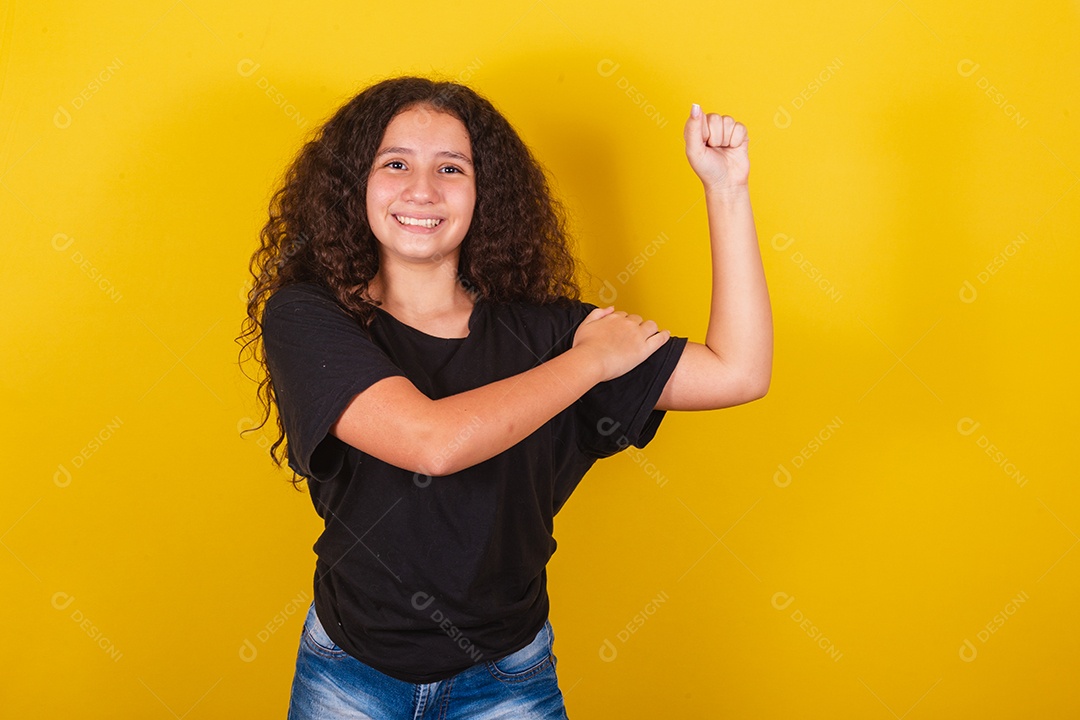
x=420, y=188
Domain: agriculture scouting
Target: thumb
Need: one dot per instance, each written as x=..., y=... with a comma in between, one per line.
x=695, y=132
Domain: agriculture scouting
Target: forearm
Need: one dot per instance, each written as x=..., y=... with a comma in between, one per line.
x=740, y=317
x=476, y=425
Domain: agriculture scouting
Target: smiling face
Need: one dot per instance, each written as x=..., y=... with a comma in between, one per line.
x=422, y=190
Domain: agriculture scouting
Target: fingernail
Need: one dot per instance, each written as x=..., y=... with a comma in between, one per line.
x=695, y=110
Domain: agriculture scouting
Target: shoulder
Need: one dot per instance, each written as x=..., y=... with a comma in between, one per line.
x=560, y=309
x=303, y=300
x=302, y=292
x=306, y=307
x=541, y=326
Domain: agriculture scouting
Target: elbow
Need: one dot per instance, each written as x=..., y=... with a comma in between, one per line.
x=760, y=391
x=441, y=443
x=433, y=460
x=760, y=377
x=757, y=386
x=427, y=455
x=440, y=451
x=436, y=465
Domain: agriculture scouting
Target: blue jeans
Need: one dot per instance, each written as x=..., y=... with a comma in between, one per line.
x=330, y=683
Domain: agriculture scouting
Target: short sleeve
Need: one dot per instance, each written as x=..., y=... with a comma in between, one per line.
x=319, y=357
x=622, y=411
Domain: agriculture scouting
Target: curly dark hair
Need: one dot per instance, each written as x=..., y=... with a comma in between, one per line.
x=517, y=248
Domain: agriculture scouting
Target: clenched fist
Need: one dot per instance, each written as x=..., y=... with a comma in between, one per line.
x=716, y=146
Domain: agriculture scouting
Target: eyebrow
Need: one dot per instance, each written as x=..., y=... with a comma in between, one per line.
x=407, y=151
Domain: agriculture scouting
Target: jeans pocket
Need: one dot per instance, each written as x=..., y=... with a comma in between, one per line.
x=316, y=638
x=527, y=662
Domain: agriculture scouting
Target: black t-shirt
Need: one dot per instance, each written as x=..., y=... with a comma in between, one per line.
x=423, y=577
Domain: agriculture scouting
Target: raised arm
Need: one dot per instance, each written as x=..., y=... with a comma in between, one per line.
x=734, y=366
x=398, y=424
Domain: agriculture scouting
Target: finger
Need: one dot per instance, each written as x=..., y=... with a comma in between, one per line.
x=718, y=131
x=597, y=313
x=714, y=129
x=729, y=129
x=725, y=131
x=654, y=342
x=738, y=135
x=692, y=131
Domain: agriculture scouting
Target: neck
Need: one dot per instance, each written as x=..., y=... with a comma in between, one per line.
x=420, y=290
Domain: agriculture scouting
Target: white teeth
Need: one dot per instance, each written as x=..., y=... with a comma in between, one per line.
x=428, y=223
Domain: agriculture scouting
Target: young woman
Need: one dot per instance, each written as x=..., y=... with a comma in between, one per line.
x=443, y=389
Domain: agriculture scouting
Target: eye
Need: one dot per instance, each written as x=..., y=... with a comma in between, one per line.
x=451, y=167
x=395, y=162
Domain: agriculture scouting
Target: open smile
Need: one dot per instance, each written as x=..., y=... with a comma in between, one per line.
x=425, y=222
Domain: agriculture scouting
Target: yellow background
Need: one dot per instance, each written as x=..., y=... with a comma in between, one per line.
x=833, y=550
